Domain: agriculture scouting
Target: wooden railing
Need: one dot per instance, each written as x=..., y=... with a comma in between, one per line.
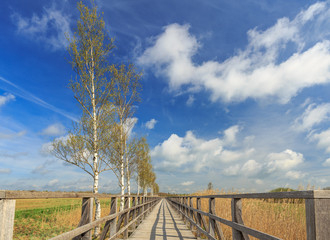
x=317, y=206
x=116, y=223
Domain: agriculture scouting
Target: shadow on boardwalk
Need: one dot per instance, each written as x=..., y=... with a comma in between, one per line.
x=163, y=223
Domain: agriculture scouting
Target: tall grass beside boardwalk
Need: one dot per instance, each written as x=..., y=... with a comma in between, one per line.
x=284, y=219
x=46, y=218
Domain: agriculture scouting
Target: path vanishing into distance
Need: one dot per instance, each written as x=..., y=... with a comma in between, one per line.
x=163, y=223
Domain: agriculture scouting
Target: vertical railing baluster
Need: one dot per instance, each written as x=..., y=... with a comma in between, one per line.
x=134, y=212
x=318, y=216
x=86, y=217
x=211, y=220
x=199, y=216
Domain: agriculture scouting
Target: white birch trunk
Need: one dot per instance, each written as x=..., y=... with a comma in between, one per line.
x=95, y=146
x=138, y=186
x=128, y=182
x=97, y=202
x=122, y=184
x=145, y=189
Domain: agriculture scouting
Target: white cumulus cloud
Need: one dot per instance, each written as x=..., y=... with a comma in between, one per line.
x=230, y=135
x=327, y=163
x=187, y=183
x=151, y=124
x=285, y=160
x=294, y=175
x=323, y=139
x=251, y=168
x=56, y=129
x=6, y=98
x=192, y=154
x=313, y=115
x=231, y=170
x=256, y=72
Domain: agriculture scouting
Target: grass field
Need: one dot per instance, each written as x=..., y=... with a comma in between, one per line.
x=45, y=218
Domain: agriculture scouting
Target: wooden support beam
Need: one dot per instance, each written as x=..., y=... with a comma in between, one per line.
x=7, y=215
x=236, y=214
x=215, y=224
x=111, y=224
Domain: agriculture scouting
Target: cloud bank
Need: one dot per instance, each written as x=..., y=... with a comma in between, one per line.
x=259, y=71
x=193, y=154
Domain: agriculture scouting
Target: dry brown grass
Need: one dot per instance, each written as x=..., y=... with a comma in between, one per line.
x=285, y=220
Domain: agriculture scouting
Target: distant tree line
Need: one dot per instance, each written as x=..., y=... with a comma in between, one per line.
x=107, y=95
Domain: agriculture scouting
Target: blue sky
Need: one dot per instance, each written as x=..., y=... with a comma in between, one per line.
x=234, y=92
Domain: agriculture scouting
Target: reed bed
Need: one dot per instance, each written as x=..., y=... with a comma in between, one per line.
x=284, y=219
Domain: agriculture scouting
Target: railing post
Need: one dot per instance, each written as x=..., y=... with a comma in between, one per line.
x=318, y=218
x=114, y=209
x=7, y=215
x=111, y=224
x=236, y=214
x=191, y=213
x=148, y=205
x=182, y=207
x=199, y=216
x=139, y=210
x=211, y=220
x=187, y=211
x=144, y=208
x=126, y=216
x=134, y=212
x=86, y=217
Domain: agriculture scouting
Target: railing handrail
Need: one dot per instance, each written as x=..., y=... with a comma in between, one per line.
x=12, y=194
x=310, y=194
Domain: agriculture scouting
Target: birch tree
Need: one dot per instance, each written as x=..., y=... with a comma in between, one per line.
x=143, y=159
x=126, y=94
x=155, y=188
x=88, y=50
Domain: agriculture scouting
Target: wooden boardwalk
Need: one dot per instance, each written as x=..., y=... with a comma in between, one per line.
x=163, y=223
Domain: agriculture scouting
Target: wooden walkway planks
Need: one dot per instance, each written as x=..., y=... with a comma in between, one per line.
x=163, y=223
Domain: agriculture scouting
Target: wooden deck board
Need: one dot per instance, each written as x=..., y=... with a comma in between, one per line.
x=163, y=223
